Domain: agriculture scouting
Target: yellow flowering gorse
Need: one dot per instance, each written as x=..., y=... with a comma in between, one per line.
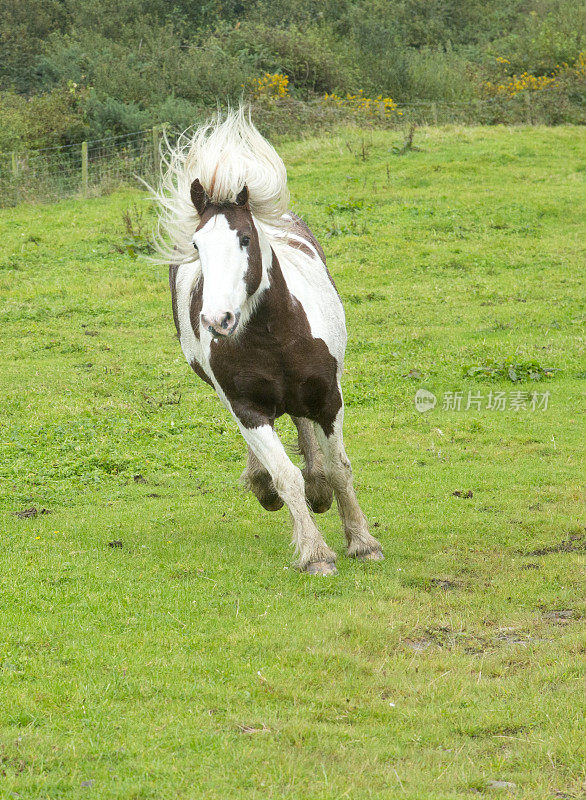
x=515, y=84
x=519, y=83
x=271, y=85
x=367, y=106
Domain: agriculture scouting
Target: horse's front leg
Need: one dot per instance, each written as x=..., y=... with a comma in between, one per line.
x=257, y=479
x=360, y=543
x=315, y=556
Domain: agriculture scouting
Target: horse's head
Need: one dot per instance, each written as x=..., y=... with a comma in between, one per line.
x=230, y=256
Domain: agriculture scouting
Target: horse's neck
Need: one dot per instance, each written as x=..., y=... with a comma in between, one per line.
x=273, y=283
x=272, y=300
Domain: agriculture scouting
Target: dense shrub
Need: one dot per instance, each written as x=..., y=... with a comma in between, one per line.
x=24, y=27
x=83, y=69
x=45, y=120
x=549, y=34
x=111, y=117
x=312, y=57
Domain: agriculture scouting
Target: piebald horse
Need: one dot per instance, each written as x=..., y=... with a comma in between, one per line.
x=259, y=319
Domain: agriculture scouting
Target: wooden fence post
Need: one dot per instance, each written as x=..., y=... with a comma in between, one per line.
x=528, y=105
x=434, y=112
x=84, y=169
x=157, y=134
x=16, y=187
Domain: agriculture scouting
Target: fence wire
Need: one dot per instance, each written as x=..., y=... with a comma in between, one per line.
x=89, y=168
x=101, y=165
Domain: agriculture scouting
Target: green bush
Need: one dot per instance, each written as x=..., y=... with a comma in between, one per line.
x=139, y=72
x=13, y=122
x=87, y=70
x=24, y=28
x=177, y=113
x=208, y=73
x=44, y=120
x=312, y=58
x=111, y=117
x=549, y=34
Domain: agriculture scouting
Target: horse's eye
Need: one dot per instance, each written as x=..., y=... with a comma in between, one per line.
x=245, y=241
x=196, y=247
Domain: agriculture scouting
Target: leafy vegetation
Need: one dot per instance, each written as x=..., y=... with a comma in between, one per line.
x=138, y=232
x=70, y=71
x=511, y=369
x=155, y=641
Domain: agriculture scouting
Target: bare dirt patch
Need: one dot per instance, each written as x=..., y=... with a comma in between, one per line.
x=560, y=615
x=444, y=583
x=448, y=639
x=576, y=543
x=28, y=513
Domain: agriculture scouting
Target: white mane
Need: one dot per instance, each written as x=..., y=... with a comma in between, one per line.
x=225, y=154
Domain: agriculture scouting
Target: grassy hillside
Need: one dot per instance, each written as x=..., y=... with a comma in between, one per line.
x=155, y=641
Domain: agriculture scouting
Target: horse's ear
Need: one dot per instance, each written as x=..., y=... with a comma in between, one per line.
x=242, y=196
x=199, y=197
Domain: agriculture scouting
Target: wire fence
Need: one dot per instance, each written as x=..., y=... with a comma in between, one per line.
x=86, y=169
x=101, y=165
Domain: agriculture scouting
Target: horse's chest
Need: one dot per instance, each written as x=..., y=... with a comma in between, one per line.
x=274, y=376
x=275, y=366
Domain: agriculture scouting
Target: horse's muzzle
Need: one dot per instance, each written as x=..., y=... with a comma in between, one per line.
x=221, y=325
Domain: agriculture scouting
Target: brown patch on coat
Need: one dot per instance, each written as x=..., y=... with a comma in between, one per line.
x=275, y=366
x=240, y=220
x=300, y=246
x=195, y=305
x=173, y=268
x=302, y=229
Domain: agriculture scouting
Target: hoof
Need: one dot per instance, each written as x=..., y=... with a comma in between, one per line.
x=318, y=492
x=374, y=555
x=262, y=487
x=321, y=504
x=321, y=568
x=270, y=502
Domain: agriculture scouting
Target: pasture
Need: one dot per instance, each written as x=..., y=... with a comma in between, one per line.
x=155, y=641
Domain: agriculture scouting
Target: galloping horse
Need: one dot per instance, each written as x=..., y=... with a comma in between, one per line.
x=259, y=319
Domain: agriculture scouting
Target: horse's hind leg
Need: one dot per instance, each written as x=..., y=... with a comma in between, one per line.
x=318, y=492
x=258, y=480
x=314, y=555
x=360, y=543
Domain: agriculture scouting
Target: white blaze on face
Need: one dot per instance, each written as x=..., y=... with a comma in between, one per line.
x=224, y=264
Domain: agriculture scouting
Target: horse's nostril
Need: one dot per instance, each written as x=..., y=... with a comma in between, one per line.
x=220, y=324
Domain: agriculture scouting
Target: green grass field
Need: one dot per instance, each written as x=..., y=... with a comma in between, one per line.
x=193, y=661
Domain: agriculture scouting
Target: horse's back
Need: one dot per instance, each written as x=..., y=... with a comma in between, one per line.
x=301, y=230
